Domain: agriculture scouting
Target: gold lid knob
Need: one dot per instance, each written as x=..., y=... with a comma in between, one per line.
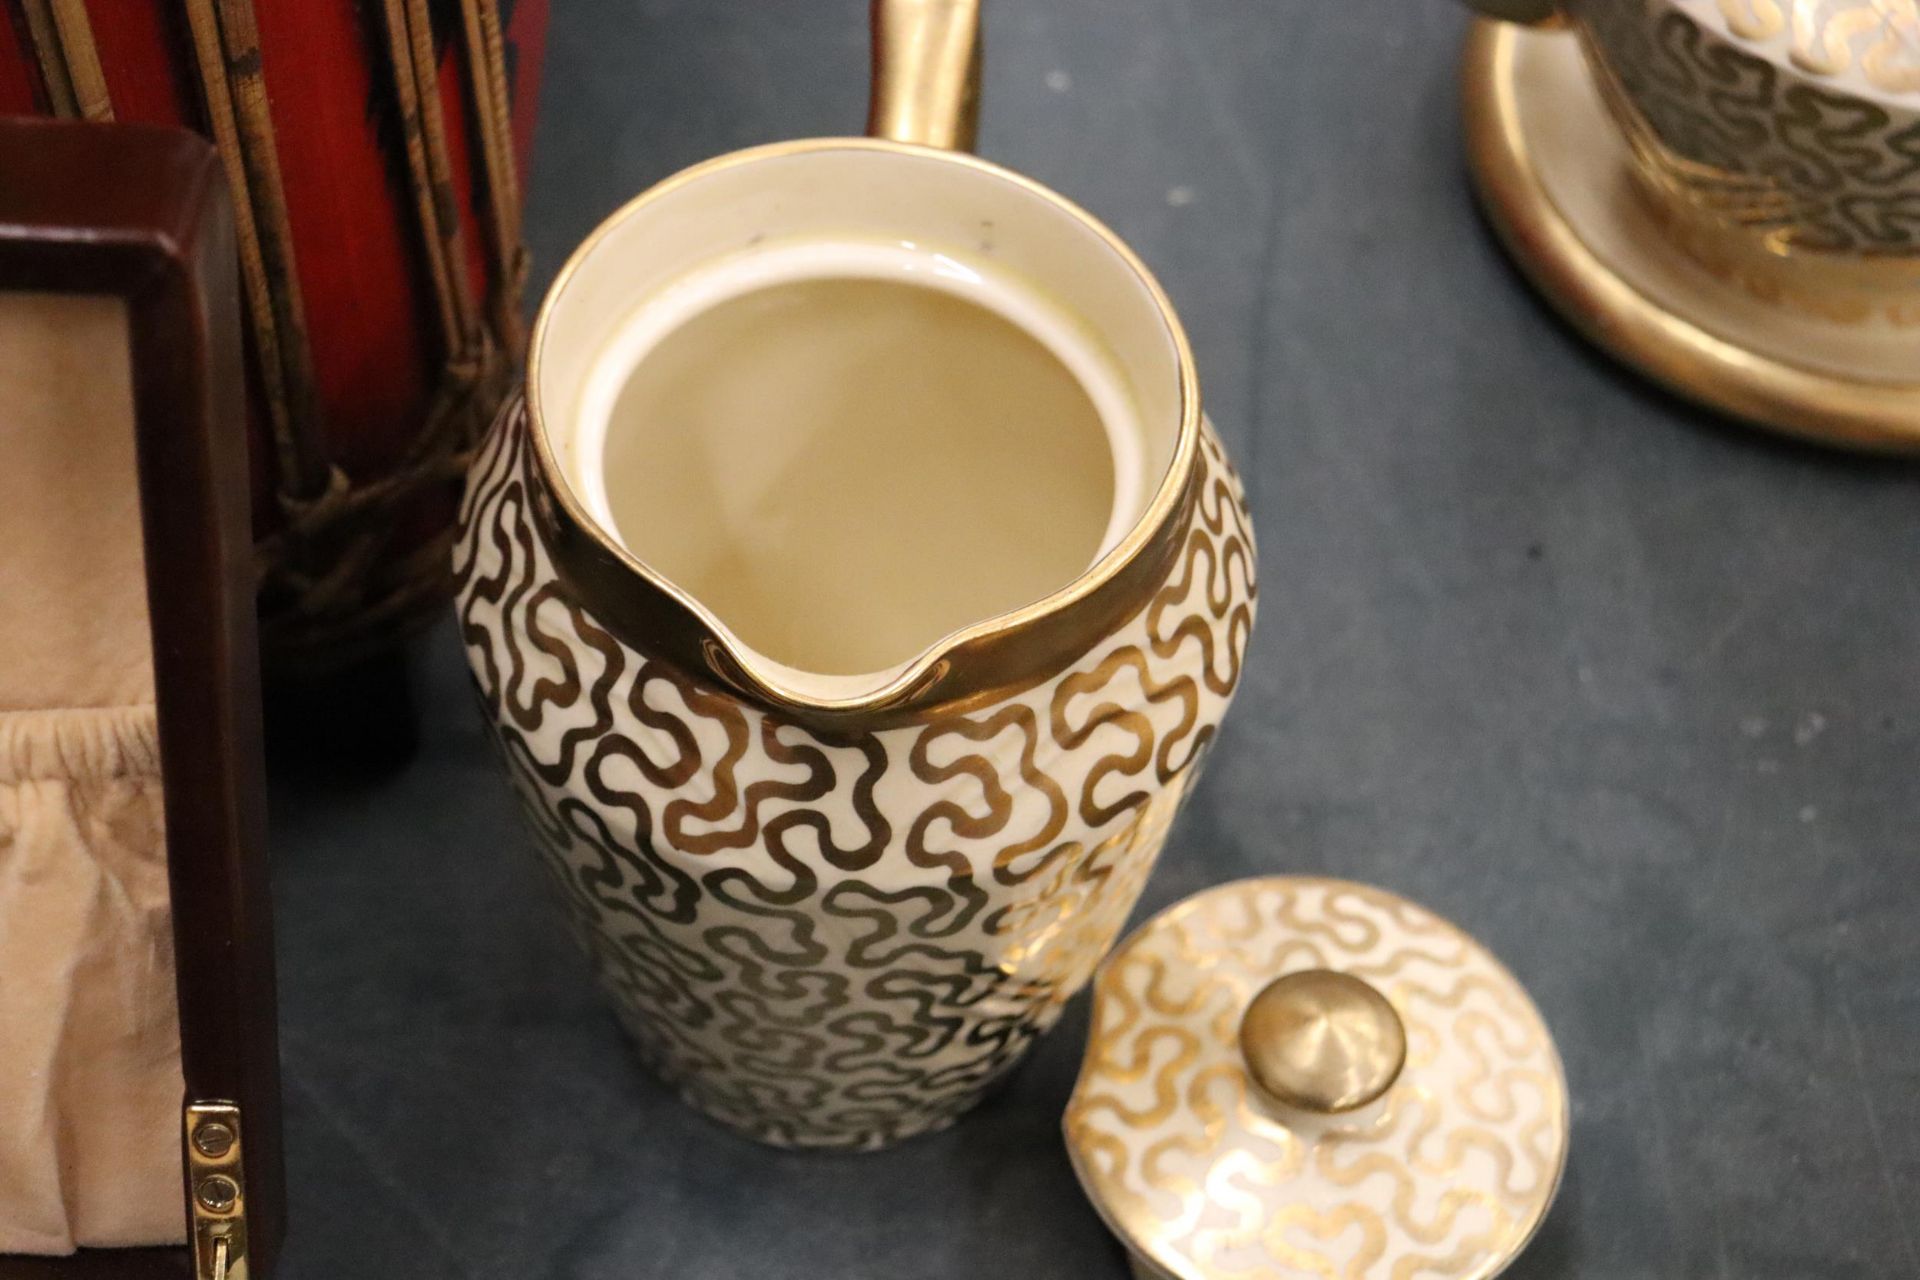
x=1323, y=1041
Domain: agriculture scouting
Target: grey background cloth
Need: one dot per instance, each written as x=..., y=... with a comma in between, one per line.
x=1629, y=693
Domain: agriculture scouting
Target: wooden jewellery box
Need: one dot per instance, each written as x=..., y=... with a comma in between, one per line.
x=139, y=1093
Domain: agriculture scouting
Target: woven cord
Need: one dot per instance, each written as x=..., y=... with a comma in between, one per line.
x=334, y=589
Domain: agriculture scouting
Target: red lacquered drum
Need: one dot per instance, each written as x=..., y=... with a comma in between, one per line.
x=372, y=150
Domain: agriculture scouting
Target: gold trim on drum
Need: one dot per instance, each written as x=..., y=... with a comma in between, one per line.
x=977, y=664
x=1680, y=346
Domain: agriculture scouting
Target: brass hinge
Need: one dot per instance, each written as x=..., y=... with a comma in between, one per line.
x=216, y=1191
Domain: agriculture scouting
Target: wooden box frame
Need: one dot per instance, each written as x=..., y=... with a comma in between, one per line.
x=142, y=213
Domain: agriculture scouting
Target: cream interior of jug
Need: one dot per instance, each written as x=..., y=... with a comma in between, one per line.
x=847, y=466
x=1045, y=502
x=90, y=1082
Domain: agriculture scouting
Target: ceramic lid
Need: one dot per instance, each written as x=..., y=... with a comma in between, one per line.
x=1304, y=1077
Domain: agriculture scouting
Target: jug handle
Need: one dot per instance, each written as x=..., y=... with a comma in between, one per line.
x=926, y=72
x=1525, y=11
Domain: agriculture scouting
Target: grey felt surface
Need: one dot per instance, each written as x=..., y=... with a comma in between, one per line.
x=1631, y=694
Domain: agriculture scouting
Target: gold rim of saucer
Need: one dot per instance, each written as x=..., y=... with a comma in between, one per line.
x=1676, y=343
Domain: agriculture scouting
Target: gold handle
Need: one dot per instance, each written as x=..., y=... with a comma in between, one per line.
x=1516, y=10
x=926, y=72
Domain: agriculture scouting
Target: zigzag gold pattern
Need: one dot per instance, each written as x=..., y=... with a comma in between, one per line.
x=1449, y=1174
x=841, y=939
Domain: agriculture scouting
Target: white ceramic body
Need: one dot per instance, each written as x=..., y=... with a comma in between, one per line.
x=829, y=926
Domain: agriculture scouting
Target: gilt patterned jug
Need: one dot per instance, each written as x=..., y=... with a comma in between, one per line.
x=839, y=848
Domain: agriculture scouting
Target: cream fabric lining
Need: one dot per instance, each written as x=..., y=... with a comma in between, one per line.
x=90, y=1083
